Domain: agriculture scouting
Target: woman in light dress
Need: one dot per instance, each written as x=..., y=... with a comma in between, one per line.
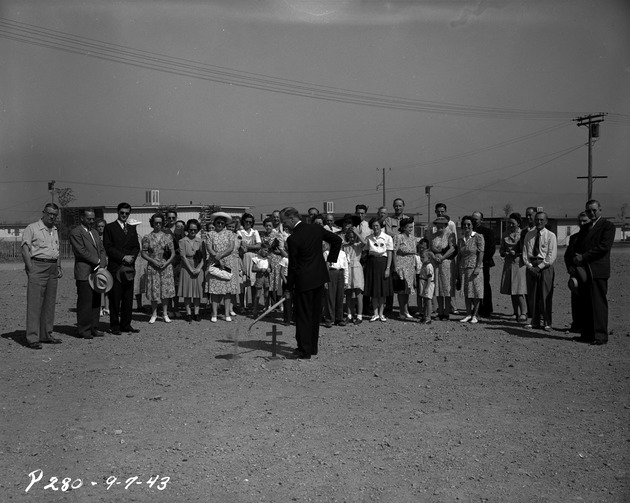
x=405, y=264
x=353, y=246
x=471, y=247
x=513, y=281
x=191, y=249
x=250, y=244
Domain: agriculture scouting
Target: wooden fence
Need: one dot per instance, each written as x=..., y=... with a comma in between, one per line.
x=10, y=249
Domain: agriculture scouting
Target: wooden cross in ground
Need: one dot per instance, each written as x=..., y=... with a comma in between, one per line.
x=274, y=333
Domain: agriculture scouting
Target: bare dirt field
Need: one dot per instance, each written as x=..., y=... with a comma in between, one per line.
x=388, y=412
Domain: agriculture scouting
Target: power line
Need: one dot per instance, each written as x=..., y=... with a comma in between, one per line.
x=483, y=149
x=569, y=151
x=93, y=48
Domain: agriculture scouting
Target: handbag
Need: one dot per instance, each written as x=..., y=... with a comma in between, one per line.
x=219, y=273
x=398, y=283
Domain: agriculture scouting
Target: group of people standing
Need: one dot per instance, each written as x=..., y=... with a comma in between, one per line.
x=358, y=262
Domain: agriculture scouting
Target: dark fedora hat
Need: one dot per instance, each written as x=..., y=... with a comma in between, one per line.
x=356, y=221
x=125, y=274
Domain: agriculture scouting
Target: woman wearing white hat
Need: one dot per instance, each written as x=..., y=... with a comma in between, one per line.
x=219, y=246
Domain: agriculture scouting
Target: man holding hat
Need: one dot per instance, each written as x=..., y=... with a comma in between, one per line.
x=576, y=274
x=120, y=239
x=592, y=252
x=89, y=257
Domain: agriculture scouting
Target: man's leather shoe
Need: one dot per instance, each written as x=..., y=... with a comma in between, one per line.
x=115, y=332
x=86, y=336
x=132, y=330
x=598, y=343
x=98, y=333
x=327, y=324
x=53, y=340
x=34, y=345
x=299, y=356
x=583, y=340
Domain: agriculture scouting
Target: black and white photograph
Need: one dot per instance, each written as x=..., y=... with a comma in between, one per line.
x=315, y=251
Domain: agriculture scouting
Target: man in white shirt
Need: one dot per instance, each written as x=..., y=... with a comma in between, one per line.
x=339, y=274
x=329, y=223
x=42, y=263
x=363, y=228
x=392, y=224
x=540, y=250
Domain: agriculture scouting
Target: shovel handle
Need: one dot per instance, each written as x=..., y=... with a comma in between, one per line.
x=266, y=313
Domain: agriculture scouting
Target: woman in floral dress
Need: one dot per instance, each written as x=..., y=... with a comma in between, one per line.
x=443, y=248
x=219, y=246
x=160, y=279
x=274, y=241
x=405, y=264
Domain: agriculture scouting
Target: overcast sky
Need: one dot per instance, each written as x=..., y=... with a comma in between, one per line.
x=273, y=103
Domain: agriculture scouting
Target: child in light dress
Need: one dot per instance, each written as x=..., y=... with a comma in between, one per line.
x=261, y=266
x=425, y=281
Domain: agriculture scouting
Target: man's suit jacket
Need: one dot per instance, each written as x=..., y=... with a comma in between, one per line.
x=118, y=244
x=307, y=268
x=88, y=252
x=594, y=245
x=570, y=251
x=490, y=245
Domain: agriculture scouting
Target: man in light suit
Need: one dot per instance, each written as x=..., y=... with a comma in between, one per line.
x=307, y=276
x=89, y=255
x=592, y=250
x=122, y=247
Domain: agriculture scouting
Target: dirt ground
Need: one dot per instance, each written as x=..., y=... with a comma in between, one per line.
x=394, y=412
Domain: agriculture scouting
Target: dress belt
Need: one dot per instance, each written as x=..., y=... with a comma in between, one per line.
x=47, y=260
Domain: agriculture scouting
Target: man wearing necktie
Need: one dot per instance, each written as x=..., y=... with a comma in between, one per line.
x=89, y=255
x=122, y=247
x=539, y=253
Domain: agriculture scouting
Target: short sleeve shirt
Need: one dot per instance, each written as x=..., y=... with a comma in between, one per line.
x=42, y=241
x=379, y=246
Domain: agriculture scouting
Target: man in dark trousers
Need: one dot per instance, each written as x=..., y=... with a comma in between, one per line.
x=569, y=254
x=307, y=276
x=122, y=247
x=592, y=251
x=485, y=306
x=89, y=255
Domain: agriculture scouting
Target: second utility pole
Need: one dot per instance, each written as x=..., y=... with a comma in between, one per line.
x=591, y=121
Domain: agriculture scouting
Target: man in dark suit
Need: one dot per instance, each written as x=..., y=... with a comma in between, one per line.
x=307, y=276
x=490, y=246
x=569, y=254
x=592, y=251
x=122, y=247
x=89, y=255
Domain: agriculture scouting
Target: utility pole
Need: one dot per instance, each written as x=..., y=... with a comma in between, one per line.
x=427, y=191
x=383, y=184
x=51, y=189
x=592, y=122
